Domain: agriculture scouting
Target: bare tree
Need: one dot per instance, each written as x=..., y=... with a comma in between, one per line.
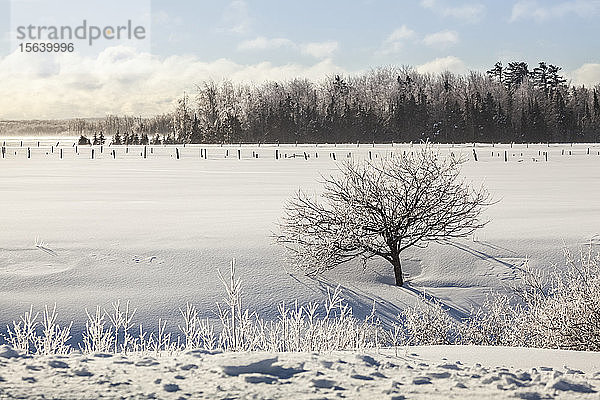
x=380, y=209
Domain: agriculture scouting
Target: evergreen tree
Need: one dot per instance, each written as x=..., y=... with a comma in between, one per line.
x=596, y=107
x=117, y=139
x=196, y=136
x=515, y=74
x=83, y=140
x=134, y=138
x=497, y=73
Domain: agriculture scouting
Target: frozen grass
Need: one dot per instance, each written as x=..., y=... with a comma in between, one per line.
x=311, y=327
x=29, y=336
x=560, y=311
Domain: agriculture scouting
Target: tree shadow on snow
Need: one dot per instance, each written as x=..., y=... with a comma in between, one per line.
x=362, y=301
x=487, y=256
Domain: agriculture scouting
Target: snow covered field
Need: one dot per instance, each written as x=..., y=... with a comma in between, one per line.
x=155, y=230
x=432, y=372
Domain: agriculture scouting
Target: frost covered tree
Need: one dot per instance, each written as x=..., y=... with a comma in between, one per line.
x=379, y=209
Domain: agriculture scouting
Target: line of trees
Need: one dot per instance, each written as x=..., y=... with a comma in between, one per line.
x=508, y=103
x=511, y=103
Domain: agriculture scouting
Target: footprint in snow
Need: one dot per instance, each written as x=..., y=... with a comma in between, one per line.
x=102, y=355
x=573, y=371
x=450, y=366
x=377, y=374
x=146, y=363
x=566, y=385
x=439, y=375
x=421, y=380
x=370, y=361
x=82, y=372
x=323, y=383
x=58, y=364
x=171, y=387
x=260, y=379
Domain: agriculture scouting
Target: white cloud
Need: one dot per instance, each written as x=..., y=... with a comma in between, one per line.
x=469, y=12
x=236, y=18
x=449, y=63
x=320, y=49
x=587, y=74
x=532, y=9
x=263, y=43
x=442, y=38
x=400, y=34
x=395, y=41
x=121, y=80
x=314, y=49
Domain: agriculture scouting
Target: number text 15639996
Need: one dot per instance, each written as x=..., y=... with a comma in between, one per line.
x=46, y=47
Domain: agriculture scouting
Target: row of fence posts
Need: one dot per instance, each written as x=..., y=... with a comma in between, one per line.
x=540, y=153
x=204, y=153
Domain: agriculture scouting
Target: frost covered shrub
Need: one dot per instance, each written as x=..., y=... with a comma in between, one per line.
x=427, y=323
x=498, y=322
x=550, y=309
x=565, y=313
x=28, y=336
x=97, y=338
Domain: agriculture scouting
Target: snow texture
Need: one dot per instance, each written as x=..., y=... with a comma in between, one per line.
x=432, y=372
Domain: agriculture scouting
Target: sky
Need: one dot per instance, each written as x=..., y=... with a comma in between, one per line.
x=187, y=42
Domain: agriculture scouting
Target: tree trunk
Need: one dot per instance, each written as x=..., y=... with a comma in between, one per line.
x=397, y=270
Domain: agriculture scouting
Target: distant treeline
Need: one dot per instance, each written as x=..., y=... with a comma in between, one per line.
x=507, y=104
x=113, y=125
x=34, y=127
